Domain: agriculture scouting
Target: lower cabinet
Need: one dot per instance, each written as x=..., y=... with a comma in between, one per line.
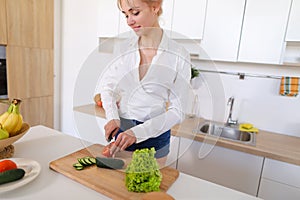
x=233, y=169
x=90, y=128
x=173, y=155
x=280, y=180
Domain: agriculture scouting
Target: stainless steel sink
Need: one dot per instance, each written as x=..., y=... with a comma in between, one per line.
x=228, y=133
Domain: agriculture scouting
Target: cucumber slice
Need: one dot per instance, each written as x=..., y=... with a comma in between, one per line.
x=78, y=166
x=92, y=160
x=82, y=161
x=87, y=161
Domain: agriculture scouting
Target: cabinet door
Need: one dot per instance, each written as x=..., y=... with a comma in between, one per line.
x=38, y=111
x=233, y=169
x=293, y=31
x=188, y=18
x=3, y=32
x=173, y=155
x=222, y=29
x=272, y=190
x=263, y=33
x=30, y=23
x=282, y=172
x=29, y=72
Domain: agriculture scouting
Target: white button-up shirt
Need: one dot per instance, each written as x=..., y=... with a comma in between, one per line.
x=167, y=80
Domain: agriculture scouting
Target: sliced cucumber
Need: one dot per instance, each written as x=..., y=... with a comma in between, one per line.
x=11, y=175
x=78, y=166
x=84, y=162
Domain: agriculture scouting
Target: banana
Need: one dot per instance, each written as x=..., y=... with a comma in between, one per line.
x=5, y=115
x=3, y=133
x=14, y=120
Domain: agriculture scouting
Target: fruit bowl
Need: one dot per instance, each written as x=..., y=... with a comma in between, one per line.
x=8, y=141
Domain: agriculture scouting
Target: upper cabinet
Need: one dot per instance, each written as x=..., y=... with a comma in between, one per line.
x=245, y=31
x=263, y=33
x=30, y=23
x=293, y=31
x=222, y=31
x=188, y=19
x=3, y=31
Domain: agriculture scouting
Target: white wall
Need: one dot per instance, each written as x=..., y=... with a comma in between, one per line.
x=256, y=99
x=79, y=39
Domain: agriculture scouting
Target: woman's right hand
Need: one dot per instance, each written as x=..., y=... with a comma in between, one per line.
x=111, y=129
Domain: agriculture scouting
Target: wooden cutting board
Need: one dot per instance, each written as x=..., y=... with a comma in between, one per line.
x=106, y=181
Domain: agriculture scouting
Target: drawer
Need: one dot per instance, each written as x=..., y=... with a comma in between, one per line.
x=282, y=172
x=271, y=190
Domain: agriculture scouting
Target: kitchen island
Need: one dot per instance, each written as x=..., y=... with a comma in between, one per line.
x=44, y=145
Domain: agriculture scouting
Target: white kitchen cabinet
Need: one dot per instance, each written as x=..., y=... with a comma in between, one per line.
x=293, y=30
x=90, y=128
x=272, y=190
x=188, y=19
x=233, y=169
x=263, y=32
x=222, y=31
x=280, y=180
x=173, y=155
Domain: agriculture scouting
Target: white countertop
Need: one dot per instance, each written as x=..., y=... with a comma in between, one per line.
x=45, y=145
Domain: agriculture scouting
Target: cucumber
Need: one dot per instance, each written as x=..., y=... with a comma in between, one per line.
x=109, y=163
x=11, y=175
x=84, y=162
x=78, y=166
x=87, y=161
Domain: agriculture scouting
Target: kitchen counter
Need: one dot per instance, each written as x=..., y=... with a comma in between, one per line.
x=270, y=145
x=45, y=145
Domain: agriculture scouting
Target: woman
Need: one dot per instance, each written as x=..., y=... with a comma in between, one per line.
x=151, y=76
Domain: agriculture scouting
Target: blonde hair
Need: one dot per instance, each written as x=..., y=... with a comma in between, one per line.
x=149, y=2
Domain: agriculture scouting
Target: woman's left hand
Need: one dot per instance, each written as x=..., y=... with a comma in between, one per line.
x=124, y=140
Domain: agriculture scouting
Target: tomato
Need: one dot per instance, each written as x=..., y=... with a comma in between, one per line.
x=106, y=150
x=7, y=165
x=99, y=103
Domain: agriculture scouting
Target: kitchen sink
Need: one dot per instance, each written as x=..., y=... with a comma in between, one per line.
x=231, y=133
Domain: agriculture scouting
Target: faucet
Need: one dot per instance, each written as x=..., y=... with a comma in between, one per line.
x=230, y=121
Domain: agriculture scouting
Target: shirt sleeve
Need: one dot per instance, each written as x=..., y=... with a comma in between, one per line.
x=108, y=91
x=178, y=99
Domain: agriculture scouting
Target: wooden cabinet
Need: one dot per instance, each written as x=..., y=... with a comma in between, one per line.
x=30, y=23
x=263, y=33
x=29, y=71
x=293, y=30
x=280, y=180
x=3, y=31
x=233, y=169
x=222, y=31
x=188, y=18
x=30, y=58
